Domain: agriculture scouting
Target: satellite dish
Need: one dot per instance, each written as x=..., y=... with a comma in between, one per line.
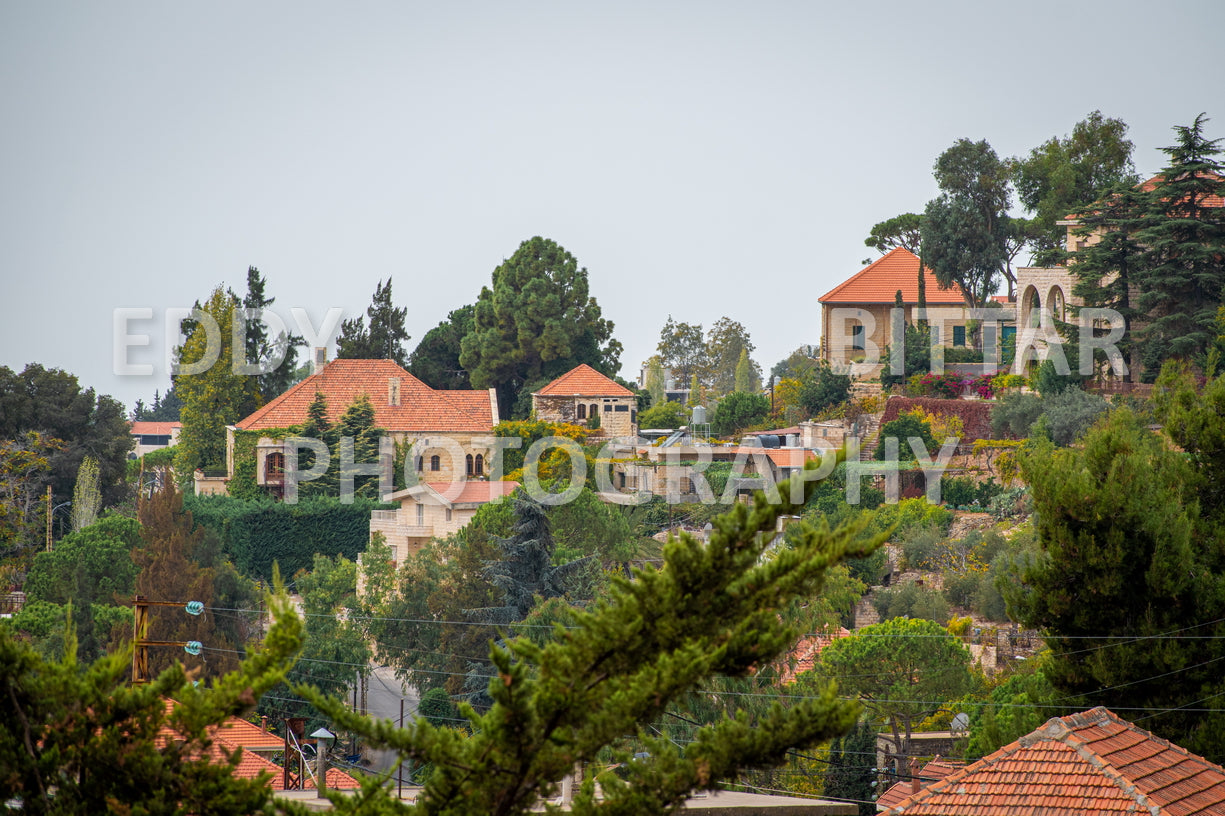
x=961, y=722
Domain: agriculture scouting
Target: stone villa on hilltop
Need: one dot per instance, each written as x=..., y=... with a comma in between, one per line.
x=451, y=430
x=582, y=393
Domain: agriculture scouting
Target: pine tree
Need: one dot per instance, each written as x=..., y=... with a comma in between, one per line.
x=852, y=769
x=1182, y=269
x=79, y=739
x=711, y=609
x=385, y=338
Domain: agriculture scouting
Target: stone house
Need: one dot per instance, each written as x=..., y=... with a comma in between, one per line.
x=856, y=315
x=150, y=436
x=581, y=393
x=450, y=431
x=432, y=510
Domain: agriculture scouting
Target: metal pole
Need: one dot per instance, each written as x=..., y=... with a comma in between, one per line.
x=49, y=514
x=400, y=765
x=321, y=769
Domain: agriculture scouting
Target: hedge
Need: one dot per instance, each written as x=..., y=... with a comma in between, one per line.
x=255, y=534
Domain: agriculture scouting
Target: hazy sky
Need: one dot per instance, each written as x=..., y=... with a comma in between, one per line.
x=699, y=159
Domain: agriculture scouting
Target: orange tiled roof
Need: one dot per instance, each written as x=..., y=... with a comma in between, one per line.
x=933, y=771
x=807, y=649
x=473, y=492
x=421, y=410
x=781, y=457
x=584, y=381
x=1210, y=201
x=878, y=283
x=239, y=732
x=155, y=428
x=1091, y=762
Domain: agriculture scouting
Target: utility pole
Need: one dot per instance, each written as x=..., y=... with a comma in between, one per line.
x=140, y=635
x=50, y=512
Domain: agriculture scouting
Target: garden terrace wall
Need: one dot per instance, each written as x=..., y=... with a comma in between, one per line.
x=975, y=415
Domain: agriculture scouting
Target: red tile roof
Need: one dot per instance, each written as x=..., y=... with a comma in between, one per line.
x=807, y=649
x=584, y=381
x=421, y=410
x=878, y=283
x=933, y=771
x=1210, y=201
x=1091, y=762
x=155, y=428
x=472, y=492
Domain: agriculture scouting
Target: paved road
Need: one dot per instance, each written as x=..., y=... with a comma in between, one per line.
x=383, y=700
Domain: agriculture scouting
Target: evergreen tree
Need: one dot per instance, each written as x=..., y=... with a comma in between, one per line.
x=357, y=423
x=655, y=383
x=78, y=738
x=748, y=381
x=261, y=348
x=1129, y=522
x=711, y=609
x=683, y=351
x=435, y=361
x=1182, y=269
x=852, y=769
x=169, y=572
x=386, y=336
x=536, y=323
x=86, y=498
x=165, y=408
x=903, y=230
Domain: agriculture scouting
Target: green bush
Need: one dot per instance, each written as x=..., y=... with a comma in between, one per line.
x=1015, y=414
x=903, y=428
x=920, y=544
x=1069, y=414
x=962, y=491
x=910, y=600
x=664, y=415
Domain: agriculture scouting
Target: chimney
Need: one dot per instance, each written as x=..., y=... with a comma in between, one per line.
x=915, y=785
x=263, y=723
x=393, y=391
x=321, y=359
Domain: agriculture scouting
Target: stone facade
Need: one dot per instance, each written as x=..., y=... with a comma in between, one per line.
x=583, y=392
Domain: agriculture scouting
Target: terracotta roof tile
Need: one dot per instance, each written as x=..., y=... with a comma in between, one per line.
x=453, y=493
x=155, y=428
x=879, y=282
x=1091, y=762
x=933, y=771
x=421, y=410
x=584, y=381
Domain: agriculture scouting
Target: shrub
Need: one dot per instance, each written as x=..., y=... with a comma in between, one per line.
x=664, y=415
x=920, y=544
x=1067, y=415
x=903, y=429
x=1015, y=414
x=962, y=491
x=910, y=600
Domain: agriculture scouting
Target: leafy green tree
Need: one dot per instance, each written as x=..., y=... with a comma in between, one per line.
x=435, y=361
x=1182, y=275
x=1018, y=704
x=386, y=335
x=52, y=403
x=739, y=410
x=25, y=472
x=903, y=231
x=965, y=230
x=334, y=649
x=1060, y=176
x=1068, y=414
x=655, y=382
x=903, y=429
x=712, y=609
x=1120, y=520
x=748, y=379
x=1015, y=414
x=911, y=600
x=796, y=363
x=212, y=398
x=823, y=388
x=664, y=415
x=727, y=342
x=79, y=739
x=536, y=323
x=903, y=671
x=91, y=569
x=683, y=351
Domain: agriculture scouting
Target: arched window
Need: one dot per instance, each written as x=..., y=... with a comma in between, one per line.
x=582, y=411
x=274, y=465
x=420, y=463
x=480, y=465
x=435, y=462
x=594, y=410
x=468, y=462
